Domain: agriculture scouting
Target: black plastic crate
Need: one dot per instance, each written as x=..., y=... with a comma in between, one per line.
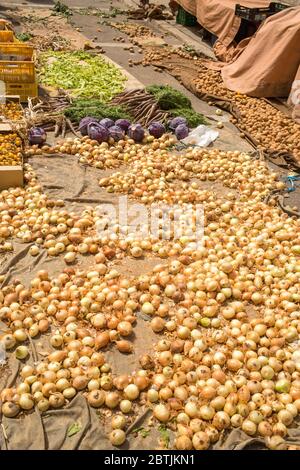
x=257, y=15
x=185, y=18
x=277, y=7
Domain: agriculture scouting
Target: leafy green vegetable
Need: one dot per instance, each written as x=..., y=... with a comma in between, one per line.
x=142, y=431
x=83, y=74
x=62, y=9
x=189, y=49
x=164, y=435
x=24, y=37
x=176, y=103
x=74, y=429
x=169, y=98
x=81, y=108
x=194, y=119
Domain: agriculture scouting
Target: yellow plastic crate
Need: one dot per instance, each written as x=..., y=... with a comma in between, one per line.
x=24, y=90
x=16, y=52
x=21, y=72
x=16, y=63
x=7, y=36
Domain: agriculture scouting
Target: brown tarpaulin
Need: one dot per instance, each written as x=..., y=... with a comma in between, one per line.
x=267, y=66
x=61, y=176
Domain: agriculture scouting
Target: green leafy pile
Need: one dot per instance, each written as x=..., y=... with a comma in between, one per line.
x=194, y=119
x=83, y=74
x=81, y=108
x=23, y=37
x=169, y=98
x=62, y=9
x=176, y=103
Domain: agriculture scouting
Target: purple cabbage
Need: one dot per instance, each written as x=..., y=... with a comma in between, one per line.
x=123, y=123
x=37, y=136
x=136, y=132
x=181, y=131
x=83, y=125
x=157, y=129
x=177, y=121
x=107, y=122
x=98, y=132
x=116, y=133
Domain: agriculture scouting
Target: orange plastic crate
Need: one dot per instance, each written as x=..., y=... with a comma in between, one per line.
x=7, y=36
x=24, y=90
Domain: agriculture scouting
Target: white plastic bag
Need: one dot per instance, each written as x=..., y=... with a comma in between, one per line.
x=202, y=136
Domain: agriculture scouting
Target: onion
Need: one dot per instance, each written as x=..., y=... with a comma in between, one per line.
x=201, y=441
x=131, y=392
x=56, y=400
x=96, y=398
x=112, y=400
x=152, y=395
x=125, y=406
x=102, y=340
x=183, y=443
x=69, y=393
x=22, y=352
x=285, y=417
x=80, y=382
x=264, y=428
x=124, y=347
x=26, y=401
x=8, y=341
x=157, y=324
x=161, y=413
x=191, y=409
x=249, y=427
x=118, y=422
x=10, y=409
x=117, y=437
x=221, y=420
x=276, y=443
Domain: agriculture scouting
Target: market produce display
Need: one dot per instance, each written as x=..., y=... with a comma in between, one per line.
x=214, y=367
x=10, y=149
x=221, y=306
x=83, y=74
